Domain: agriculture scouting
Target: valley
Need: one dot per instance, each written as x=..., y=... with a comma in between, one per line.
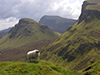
x=75, y=52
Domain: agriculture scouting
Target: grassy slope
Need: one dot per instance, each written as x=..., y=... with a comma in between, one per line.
x=33, y=68
x=78, y=47
x=26, y=32
x=93, y=69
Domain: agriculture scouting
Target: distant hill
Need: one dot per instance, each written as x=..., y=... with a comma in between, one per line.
x=25, y=33
x=4, y=32
x=57, y=23
x=79, y=46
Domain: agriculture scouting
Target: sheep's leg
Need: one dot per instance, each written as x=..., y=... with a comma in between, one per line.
x=28, y=58
x=35, y=59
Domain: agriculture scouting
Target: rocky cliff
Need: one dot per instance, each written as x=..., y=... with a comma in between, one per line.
x=88, y=14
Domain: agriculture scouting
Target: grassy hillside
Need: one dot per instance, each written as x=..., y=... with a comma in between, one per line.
x=33, y=68
x=93, y=69
x=19, y=53
x=25, y=33
x=79, y=46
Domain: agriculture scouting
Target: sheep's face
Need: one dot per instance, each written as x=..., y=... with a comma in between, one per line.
x=38, y=53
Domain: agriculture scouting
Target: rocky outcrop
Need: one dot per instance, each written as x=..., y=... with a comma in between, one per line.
x=87, y=14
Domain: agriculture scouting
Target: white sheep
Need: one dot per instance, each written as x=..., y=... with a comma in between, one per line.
x=33, y=55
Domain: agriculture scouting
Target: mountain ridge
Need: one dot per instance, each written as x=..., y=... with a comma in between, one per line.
x=57, y=23
x=78, y=47
x=26, y=32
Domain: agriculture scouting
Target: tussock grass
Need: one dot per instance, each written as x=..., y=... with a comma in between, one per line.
x=33, y=68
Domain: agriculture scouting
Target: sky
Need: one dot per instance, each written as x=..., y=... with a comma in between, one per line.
x=13, y=10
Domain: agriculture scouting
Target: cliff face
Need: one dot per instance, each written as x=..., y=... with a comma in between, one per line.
x=88, y=14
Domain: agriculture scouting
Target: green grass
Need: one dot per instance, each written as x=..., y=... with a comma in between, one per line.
x=33, y=68
x=93, y=69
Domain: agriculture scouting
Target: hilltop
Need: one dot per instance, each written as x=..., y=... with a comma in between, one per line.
x=79, y=46
x=25, y=33
x=33, y=68
x=57, y=23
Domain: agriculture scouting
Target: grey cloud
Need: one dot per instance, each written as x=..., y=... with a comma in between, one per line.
x=7, y=8
x=12, y=10
x=27, y=8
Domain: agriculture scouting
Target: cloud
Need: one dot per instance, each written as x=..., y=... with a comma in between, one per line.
x=69, y=9
x=7, y=8
x=35, y=9
x=9, y=22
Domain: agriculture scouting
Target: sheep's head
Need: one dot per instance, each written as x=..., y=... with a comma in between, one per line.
x=38, y=53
